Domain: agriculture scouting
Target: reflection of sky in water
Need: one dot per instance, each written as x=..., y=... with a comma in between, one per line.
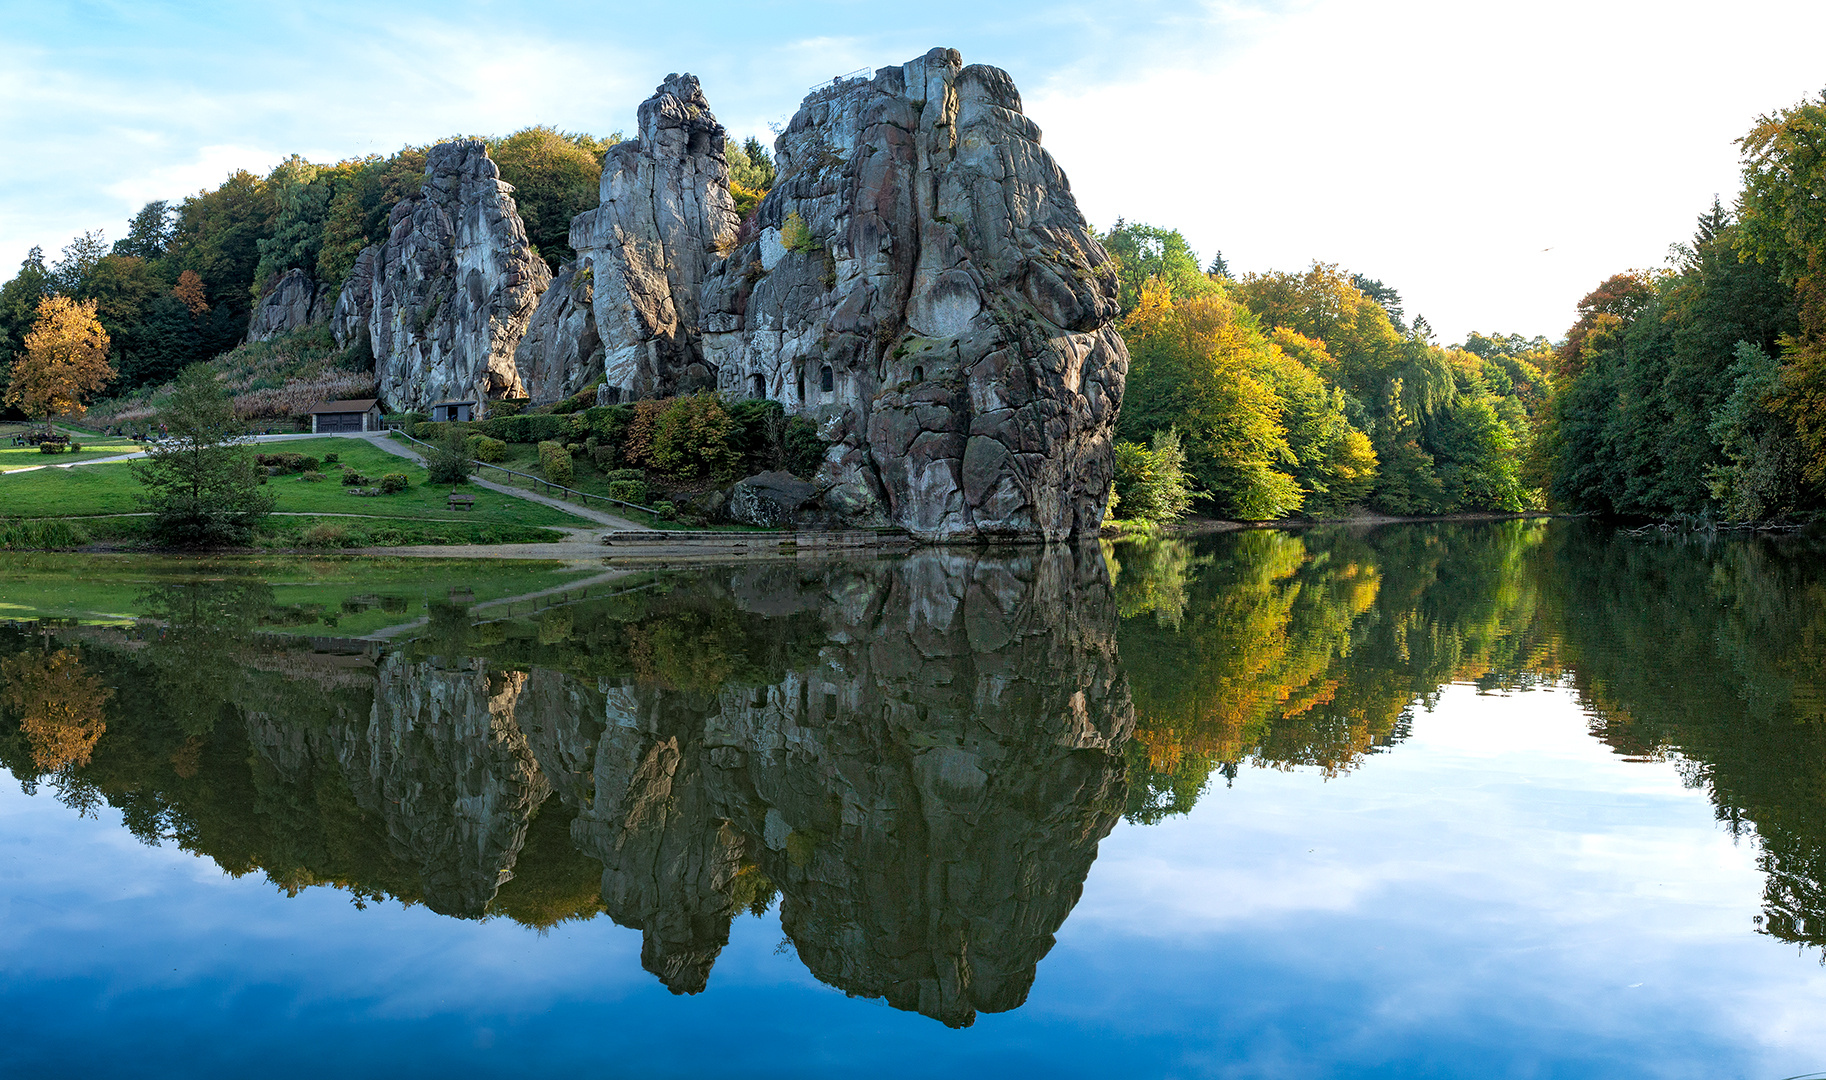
x=1499, y=895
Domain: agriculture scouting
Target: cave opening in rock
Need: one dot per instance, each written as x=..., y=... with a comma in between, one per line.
x=827, y=379
x=757, y=386
x=919, y=373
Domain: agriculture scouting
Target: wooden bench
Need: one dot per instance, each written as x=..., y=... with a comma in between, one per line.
x=461, y=501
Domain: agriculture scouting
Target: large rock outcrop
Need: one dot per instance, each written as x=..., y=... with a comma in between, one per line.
x=919, y=280
x=561, y=352
x=295, y=302
x=666, y=214
x=924, y=283
x=453, y=287
x=355, y=304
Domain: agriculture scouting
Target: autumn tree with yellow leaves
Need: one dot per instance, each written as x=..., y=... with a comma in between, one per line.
x=65, y=360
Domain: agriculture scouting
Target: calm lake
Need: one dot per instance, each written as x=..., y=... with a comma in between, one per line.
x=1519, y=799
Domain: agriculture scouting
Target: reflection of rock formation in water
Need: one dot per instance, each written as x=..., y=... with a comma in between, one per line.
x=927, y=794
x=928, y=799
x=441, y=762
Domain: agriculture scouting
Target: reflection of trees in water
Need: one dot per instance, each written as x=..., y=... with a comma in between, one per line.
x=1714, y=653
x=919, y=759
x=1284, y=649
x=58, y=704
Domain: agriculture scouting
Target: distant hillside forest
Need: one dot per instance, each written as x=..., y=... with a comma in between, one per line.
x=1695, y=391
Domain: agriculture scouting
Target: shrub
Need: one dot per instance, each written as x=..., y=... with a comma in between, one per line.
x=555, y=462
x=393, y=483
x=796, y=235
x=448, y=462
x=354, y=479
x=802, y=449
x=665, y=510
x=290, y=463
x=329, y=459
x=325, y=535
x=50, y=448
x=634, y=491
x=605, y=456
x=507, y=406
x=483, y=448
x=75, y=447
x=624, y=474
x=609, y=423
x=643, y=424
x=1151, y=483
x=312, y=478
x=694, y=438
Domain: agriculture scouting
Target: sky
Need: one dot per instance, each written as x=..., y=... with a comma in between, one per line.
x=1492, y=162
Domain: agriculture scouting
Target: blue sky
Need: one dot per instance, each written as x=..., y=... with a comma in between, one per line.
x=1493, y=162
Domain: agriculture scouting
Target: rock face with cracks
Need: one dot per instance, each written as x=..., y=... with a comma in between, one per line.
x=921, y=280
x=561, y=351
x=666, y=213
x=452, y=289
x=295, y=302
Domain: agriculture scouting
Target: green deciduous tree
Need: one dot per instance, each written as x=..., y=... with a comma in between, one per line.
x=1151, y=480
x=556, y=176
x=201, y=485
x=1197, y=365
x=1144, y=253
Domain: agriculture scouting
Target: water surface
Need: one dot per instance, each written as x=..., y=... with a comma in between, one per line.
x=1514, y=799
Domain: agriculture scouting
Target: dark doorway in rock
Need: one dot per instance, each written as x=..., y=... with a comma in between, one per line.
x=827, y=379
x=757, y=386
x=801, y=379
x=919, y=373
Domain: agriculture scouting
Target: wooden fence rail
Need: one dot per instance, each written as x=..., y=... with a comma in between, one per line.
x=583, y=497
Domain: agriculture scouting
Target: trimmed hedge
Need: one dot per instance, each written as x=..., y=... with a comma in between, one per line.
x=483, y=448
x=634, y=491
x=555, y=462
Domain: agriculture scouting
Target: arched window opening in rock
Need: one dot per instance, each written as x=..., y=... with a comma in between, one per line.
x=919, y=373
x=827, y=379
x=801, y=384
x=757, y=386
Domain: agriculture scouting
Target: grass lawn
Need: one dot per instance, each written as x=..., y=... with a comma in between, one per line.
x=93, y=446
x=111, y=489
x=338, y=595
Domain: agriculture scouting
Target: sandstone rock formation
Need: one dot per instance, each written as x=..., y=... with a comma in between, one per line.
x=295, y=302
x=666, y=213
x=919, y=280
x=453, y=287
x=561, y=352
x=769, y=500
x=355, y=304
x=924, y=283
